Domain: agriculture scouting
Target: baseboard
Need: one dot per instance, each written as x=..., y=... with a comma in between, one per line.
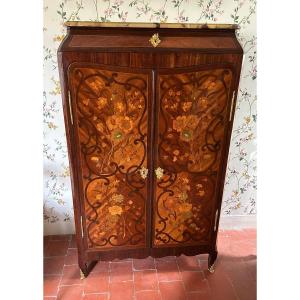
x=237, y=222
x=59, y=228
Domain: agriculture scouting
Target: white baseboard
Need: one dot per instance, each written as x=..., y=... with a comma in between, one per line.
x=237, y=222
x=59, y=228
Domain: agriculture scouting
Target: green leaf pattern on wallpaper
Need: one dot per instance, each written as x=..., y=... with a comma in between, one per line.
x=240, y=185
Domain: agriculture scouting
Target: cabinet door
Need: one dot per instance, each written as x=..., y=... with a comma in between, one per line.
x=110, y=115
x=193, y=112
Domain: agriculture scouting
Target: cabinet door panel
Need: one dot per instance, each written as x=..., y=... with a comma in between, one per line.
x=192, y=117
x=110, y=112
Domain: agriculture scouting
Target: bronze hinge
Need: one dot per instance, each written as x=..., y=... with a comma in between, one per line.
x=70, y=107
x=231, y=108
x=81, y=226
x=216, y=218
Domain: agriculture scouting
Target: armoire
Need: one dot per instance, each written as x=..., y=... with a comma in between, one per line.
x=148, y=112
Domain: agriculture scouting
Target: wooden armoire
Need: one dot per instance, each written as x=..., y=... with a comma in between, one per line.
x=148, y=111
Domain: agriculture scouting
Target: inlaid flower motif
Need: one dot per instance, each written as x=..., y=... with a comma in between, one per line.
x=119, y=107
x=186, y=135
x=143, y=172
x=119, y=125
x=95, y=158
x=117, y=198
x=100, y=127
x=126, y=124
x=209, y=84
x=86, y=101
x=115, y=210
x=186, y=106
x=201, y=193
x=186, y=123
x=183, y=196
x=176, y=152
x=101, y=102
x=117, y=134
x=185, y=207
x=179, y=123
x=203, y=103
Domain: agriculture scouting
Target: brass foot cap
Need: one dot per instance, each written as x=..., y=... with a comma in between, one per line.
x=82, y=276
x=211, y=269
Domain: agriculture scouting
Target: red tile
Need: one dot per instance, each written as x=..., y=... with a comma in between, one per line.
x=224, y=243
x=202, y=257
x=74, y=292
x=96, y=283
x=172, y=290
x=147, y=295
x=54, y=265
x=51, y=285
x=250, y=233
x=61, y=237
x=121, y=290
x=220, y=285
x=145, y=280
x=72, y=257
x=242, y=248
x=71, y=275
x=100, y=267
x=167, y=269
x=203, y=265
x=172, y=258
x=73, y=243
x=56, y=248
x=144, y=264
x=96, y=297
x=238, y=274
x=251, y=266
x=236, y=235
x=199, y=296
x=188, y=263
x=121, y=271
x=195, y=281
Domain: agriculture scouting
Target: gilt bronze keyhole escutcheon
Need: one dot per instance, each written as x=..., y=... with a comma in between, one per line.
x=155, y=40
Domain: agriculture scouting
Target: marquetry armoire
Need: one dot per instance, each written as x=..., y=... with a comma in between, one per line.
x=148, y=110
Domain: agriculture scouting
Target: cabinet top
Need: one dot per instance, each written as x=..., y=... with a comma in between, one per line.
x=150, y=25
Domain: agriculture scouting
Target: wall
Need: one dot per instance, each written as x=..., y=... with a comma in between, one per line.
x=240, y=187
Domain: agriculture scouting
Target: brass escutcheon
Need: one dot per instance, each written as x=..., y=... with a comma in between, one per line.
x=155, y=40
x=159, y=172
x=144, y=172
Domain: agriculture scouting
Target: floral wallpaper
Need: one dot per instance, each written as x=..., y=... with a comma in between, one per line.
x=240, y=185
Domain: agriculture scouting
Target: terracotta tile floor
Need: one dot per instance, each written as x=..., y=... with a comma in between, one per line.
x=170, y=278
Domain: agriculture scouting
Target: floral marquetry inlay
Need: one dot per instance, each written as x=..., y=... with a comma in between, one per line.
x=193, y=108
x=112, y=124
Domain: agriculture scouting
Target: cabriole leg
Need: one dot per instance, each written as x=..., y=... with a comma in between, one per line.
x=86, y=268
x=211, y=261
